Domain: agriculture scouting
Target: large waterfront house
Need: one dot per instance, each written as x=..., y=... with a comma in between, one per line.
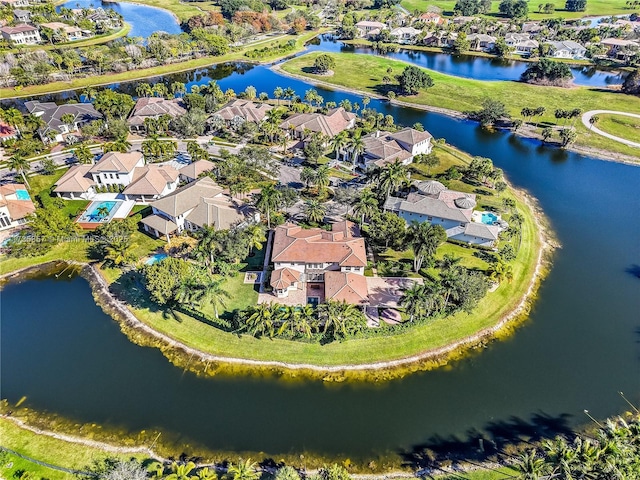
x=55, y=129
x=453, y=210
x=122, y=172
x=382, y=148
x=15, y=205
x=192, y=207
x=68, y=32
x=299, y=125
x=367, y=28
x=22, y=34
x=318, y=264
x=481, y=42
x=521, y=43
x=406, y=35
x=239, y=111
x=153, y=107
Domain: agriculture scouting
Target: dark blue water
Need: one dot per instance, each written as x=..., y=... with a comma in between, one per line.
x=469, y=66
x=580, y=346
x=144, y=20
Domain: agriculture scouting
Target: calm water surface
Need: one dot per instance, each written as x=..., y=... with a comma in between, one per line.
x=144, y=20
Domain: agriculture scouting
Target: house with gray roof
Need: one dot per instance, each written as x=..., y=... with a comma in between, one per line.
x=192, y=207
x=23, y=16
x=434, y=203
x=51, y=114
x=566, y=49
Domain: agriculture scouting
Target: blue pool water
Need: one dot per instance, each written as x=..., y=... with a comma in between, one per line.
x=92, y=213
x=156, y=258
x=489, y=218
x=22, y=195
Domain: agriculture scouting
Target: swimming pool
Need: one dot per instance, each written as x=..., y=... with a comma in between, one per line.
x=489, y=218
x=22, y=195
x=158, y=257
x=99, y=212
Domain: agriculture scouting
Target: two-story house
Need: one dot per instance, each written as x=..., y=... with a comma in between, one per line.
x=239, y=111
x=122, y=172
x=566, y=49
x=382, y=148
x=192, y=207
x=22, y=34
x=299, y=125
x=367, y=28
x=321, y=264
x=452, y=210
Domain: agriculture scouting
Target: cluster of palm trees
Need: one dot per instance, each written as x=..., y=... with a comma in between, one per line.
x=331, y=320
x=612, y=453
x=156, y=149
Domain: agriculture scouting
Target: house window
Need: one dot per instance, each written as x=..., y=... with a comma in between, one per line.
x=315, y=265
x=429, y=218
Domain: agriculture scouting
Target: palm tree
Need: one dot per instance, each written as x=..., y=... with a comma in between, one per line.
x=256, y=237
x=315, y=211
x=261, y=320
x=211, y=290
x=120, y=144
x=120, y=252
x=20, y=164
x=413, y=300
x=196, y=151
x=208, y=244
x=178, y=88
x=243, y=470
x=181, y=471
x=322, y=177
x=394, y=176
x=13, y=117
x=356, y=145
x=301, y=320
x=366, y=205
x=340, y=318
x=530, y=466
x=102, y=211
x=206, y=474
x=69, y=120
x=82, y=153
x=338, y=143
x=287, y=473
x=547, y=133
x=593, y=120
x=424, y=239
x=144, y=90
x=278, y=93
x=269, y=200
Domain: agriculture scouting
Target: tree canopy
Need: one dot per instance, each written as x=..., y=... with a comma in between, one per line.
x=547, y=71
x=414, y=79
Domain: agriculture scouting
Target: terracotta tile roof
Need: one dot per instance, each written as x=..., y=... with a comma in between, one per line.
x=292, y=244
x=334, y=122
x=283, y=278
x=54, y=25
x=194, y=169
x=17, y=208
x=75, y=180
x=117, y=162
x=346, y=286
x=246, y=109
x=151, y=179
x=155, y=107
x=22, y=28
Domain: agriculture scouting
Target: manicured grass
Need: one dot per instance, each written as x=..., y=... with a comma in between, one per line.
x=620, y=126
x=49, y=450
x=182, y=10
x=96, y=80
x=594, y=8
x=462, y=94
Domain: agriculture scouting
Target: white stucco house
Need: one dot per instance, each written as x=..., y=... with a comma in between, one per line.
x=382, y=148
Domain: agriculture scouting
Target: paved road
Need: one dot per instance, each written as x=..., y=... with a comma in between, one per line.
x=66, y=157
x=587, y=116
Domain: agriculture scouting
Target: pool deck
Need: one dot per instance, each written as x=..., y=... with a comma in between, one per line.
x=122, y=211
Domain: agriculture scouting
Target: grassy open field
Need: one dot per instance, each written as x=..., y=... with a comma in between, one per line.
x=620, y=126
x=79, y=83
x=594, y=8
x=463, y=94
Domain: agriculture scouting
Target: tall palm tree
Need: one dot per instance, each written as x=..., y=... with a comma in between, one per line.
x=102, y=211
x=13, y=117
x=20, y=164
x=208, y=245
x=120, y=252
x=210, y=290
x=278, y=93
x=366, y=205
x=144, y=90
x=315, y=211
x=261, y=320
x=256, y=237
x=268, y=201
x=393, y=176
x=322, y=175
x=120, y=144
x=338, y=143
x=413, y=300
x=424, y=240
x=356, y=145
x=243, y=470
x=340, y=319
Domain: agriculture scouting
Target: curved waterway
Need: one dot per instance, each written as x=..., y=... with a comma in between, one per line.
x=470, y=66
x=578, y=349
x=144, y=20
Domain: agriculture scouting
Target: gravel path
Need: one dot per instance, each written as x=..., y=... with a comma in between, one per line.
x=587, y=116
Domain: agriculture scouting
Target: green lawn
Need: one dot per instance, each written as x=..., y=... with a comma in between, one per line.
x=594, y=8
x=620, y=126
x=79, y=83
x=462, y=94
x=49, y=450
